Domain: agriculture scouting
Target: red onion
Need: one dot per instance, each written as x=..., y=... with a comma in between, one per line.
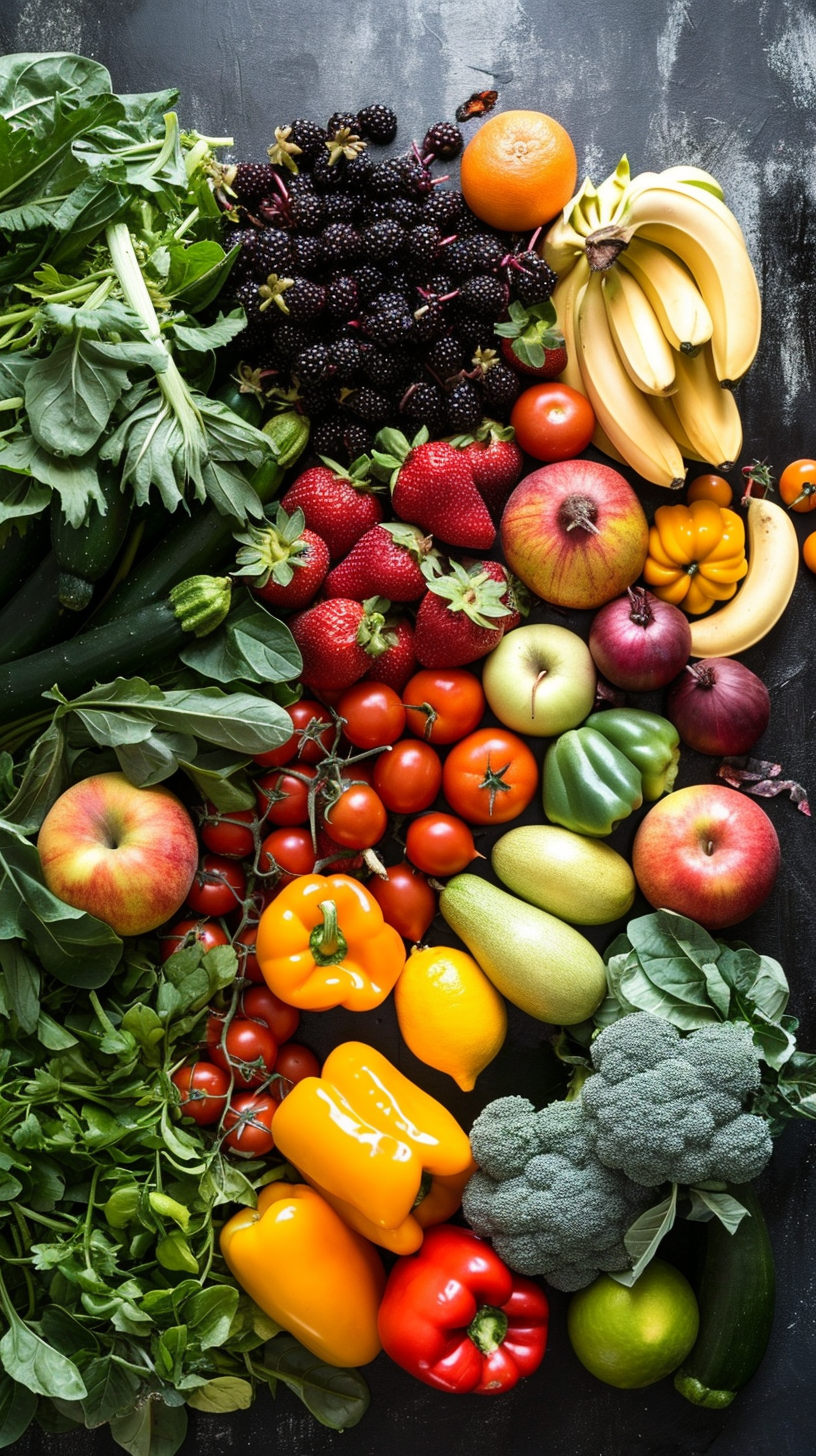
x=719, y=707
x=639, y=642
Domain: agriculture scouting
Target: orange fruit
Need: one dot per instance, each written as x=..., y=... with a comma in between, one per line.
x=519, y=170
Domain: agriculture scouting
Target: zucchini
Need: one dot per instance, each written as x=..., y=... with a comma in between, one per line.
x=34, y=617
x=736, y=1299
x=24, y=543
x=85, y=553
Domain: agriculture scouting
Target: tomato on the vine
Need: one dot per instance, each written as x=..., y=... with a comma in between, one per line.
x=288, y=850
x=552, y=421
x=294, y=1063
x=406, y=900
x=244, y=946
x=208, y=933
x=443, y=704
x=203, y=1091
x=248, y=1122
x=283, y=795
x=490, y=776
x=229, y=832
x=261, y=1004
x=409, y=777
x=357, y=819
x=710, y=487
x=439, y=844
x=797, y=485
x=248, y=1048
x=310, y=741
x=219, y=886
x=373, y=713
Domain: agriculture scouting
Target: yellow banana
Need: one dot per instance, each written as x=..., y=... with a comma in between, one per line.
x=671, y=291
x=773, y=561
x=562, y=245
x=567, y=295
x=693, y=177
x=620, y=409
x=663, y=407
x=611, y=192
x=645, y=352
x=707, y=413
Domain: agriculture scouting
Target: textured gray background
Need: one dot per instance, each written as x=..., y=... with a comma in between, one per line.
x=729, y=85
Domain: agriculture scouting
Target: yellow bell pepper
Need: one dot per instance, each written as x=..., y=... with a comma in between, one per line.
x=323, y=943
x=365, y=1135
x=437, y=1205
x=696, y=555
x=308, y=1271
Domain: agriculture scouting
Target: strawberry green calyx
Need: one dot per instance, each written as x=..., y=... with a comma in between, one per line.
x=533, y=331
x=358, y=473
x=419, y=546
x=474, y=593
x=489, y=432
x=272, y=552
x=272, y=291
x=201, y=603
x=391, y=451
x=282, y=153
x=373, y=634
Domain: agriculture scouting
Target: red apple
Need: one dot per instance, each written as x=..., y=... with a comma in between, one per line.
x=707, y=853
x=123, y=854
x=575, y=533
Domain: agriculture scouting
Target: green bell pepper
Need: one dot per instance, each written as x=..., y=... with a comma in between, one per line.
x=589, y=785
x=650, y=742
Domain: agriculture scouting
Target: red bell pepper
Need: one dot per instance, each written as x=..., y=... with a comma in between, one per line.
x=455, y=1316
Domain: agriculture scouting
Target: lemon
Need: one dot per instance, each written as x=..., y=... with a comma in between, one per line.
x=449, y=1014
x=632, y=1337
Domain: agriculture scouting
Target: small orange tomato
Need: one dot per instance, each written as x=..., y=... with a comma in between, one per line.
x=490, y=776
x=809, y=552
x=710, y=487
x=797, y=485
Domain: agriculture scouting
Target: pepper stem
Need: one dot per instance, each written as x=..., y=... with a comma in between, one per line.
x=327, y=941
x=424, y=1188
x=488, y=1328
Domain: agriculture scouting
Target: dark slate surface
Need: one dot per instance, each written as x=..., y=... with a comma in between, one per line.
x=728, y=85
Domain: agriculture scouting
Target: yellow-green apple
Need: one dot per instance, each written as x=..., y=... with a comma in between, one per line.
x=540, y=680
x=707, y=853
x=575, y=533
x=124, y=854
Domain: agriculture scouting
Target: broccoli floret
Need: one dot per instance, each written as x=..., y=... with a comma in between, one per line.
x=665, y=1108
x=542, y=1196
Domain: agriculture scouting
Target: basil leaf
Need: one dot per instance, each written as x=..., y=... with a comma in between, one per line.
x=38, y=1366
x=155, y=759
x=642, y=1240
x=152, y=1429
x=109, y=1390
x=17, y=1407
x=336, y=1398
x=243, y=722
x=110, y=730
x=224, y=1393
x=210, y=1314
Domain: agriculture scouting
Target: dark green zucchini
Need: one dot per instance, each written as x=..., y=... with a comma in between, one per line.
x=34, y=617
x=24, y=543
x=85, y=553
x=736, y=1299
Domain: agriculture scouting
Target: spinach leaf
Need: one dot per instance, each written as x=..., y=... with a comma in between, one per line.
x=211, y=336
x=110, y=1389
x=71, y=392
x=336, y=1398
x=36, y=1365
x=224, y=1393
x=17, y=1407
x=153, y=1429
x=29, y=79
x=250, y=646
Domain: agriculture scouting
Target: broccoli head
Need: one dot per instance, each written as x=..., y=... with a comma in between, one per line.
x=542, y=1196
x=665, y=1108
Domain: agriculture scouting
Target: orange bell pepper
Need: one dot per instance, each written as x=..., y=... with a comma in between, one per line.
x=367, y=1137
x=439, y=1200
x=323, y=943
x=696, y=555
x=308, y=1271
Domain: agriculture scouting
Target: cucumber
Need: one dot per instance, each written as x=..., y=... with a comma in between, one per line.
x=736, y=1299
x=24, y=543
x=85, y=553
x=34, y=617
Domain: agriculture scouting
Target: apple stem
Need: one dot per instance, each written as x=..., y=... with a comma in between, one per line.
x=536, y=684
x=709, y=846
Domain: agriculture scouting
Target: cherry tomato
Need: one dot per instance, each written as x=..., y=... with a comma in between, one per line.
x=552, y=421
x=203, y=1091
x=710, y=487
x=443, y=704
x=357, y=819
x=249, y=1123
x=363, y=771
x=406, y=900
x=290, y=851
x=809, y=551
x=244, y=946
x=490, y=776
x=218, y=888
x=229, y=832
x=294, y=1063
x=409, y=777
x=309, y=742
x=249, y=1048
x=261, y=1004
x=374, y=714
x=438, y=844
x=208, y=933
x=797, y=485
x=283, y=797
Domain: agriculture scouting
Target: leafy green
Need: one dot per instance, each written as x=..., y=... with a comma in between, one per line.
x=644, y=1237
x=337, y=1398
x=250, y=646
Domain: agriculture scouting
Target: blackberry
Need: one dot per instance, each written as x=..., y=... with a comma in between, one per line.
x=377, y=123
x=457, y=257
x=533, y=281
x=248, y=295
x=340, y=119
x=300, y=184
x=308, y=253
x=440, y=284
x=443, y=208
x=393, y=299
x=318, y=399
x=327, y=436
x=383, y=239
x=313, y=364
x=345, y=358
x=501, y=386
x=468, y=223
x=287, y=341
x=340, y=207
x=396, y=278
x=307, y=211
x=369, y=404
x=463, y=406
x=377, y=209
x=310, y=137
x=430, y=321
x=475, y=332
x=445, y=357
x=415, y=180
x=424, y=404
x=443, y=140
x=341, y=242
x=328, y=176
x=304, y=300
x=271, y=252
x=385, y=179
x=389, y=326
x=369, y=281
x=383, y=367
x=485, y=252
x=357, y=439
x=253, y=180
x=341, y=299
x=423, y=244
x=358, y=172
x=406, y=210
x=484, y=295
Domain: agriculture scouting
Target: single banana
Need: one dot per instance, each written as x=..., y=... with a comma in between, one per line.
x=620, y=409
x=611, y=192
x=707, y=413
x=693, y=177
x=645, y=352
x=773, y=561
x=562, y=245
x=716, y=258
x=671, y=291
x=566, y=296
x=663, y=407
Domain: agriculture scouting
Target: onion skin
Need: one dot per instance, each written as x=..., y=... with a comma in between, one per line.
x=719, y=707
x=640, y=643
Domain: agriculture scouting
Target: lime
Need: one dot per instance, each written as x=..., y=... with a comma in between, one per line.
x=633, y=1337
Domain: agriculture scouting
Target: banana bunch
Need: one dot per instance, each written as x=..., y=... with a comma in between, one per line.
x=660, y=312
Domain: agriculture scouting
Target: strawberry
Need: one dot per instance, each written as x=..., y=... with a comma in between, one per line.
x=399, y=662
x=338, y=640
x=515, y=595
x=386, y=559
x=432, y=486
x=531, y=340
x=496, y=462
x=284, y=563
x=461, y=617
x=338, y=504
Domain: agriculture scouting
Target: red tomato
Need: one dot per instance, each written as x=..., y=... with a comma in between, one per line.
x=357, y=819
x=203, y=1091
x=261, y=1004
x=249, y=1120
x=408, y=777
x=797, y=485
x=309, y=742
x=352, y=773
x=552, y=421
x=290, y=851
x=490, y=776
x=294, y=1063
x=406, y=900
x=229, y=832
x=219, y=886
x=249, y=1048
x=283, y=797
x=443, y=704
x=244, y=946
x=374, y=715
x=438, y=844
x=186, y=932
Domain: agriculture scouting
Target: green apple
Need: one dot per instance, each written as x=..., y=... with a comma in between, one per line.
x=540, y=680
